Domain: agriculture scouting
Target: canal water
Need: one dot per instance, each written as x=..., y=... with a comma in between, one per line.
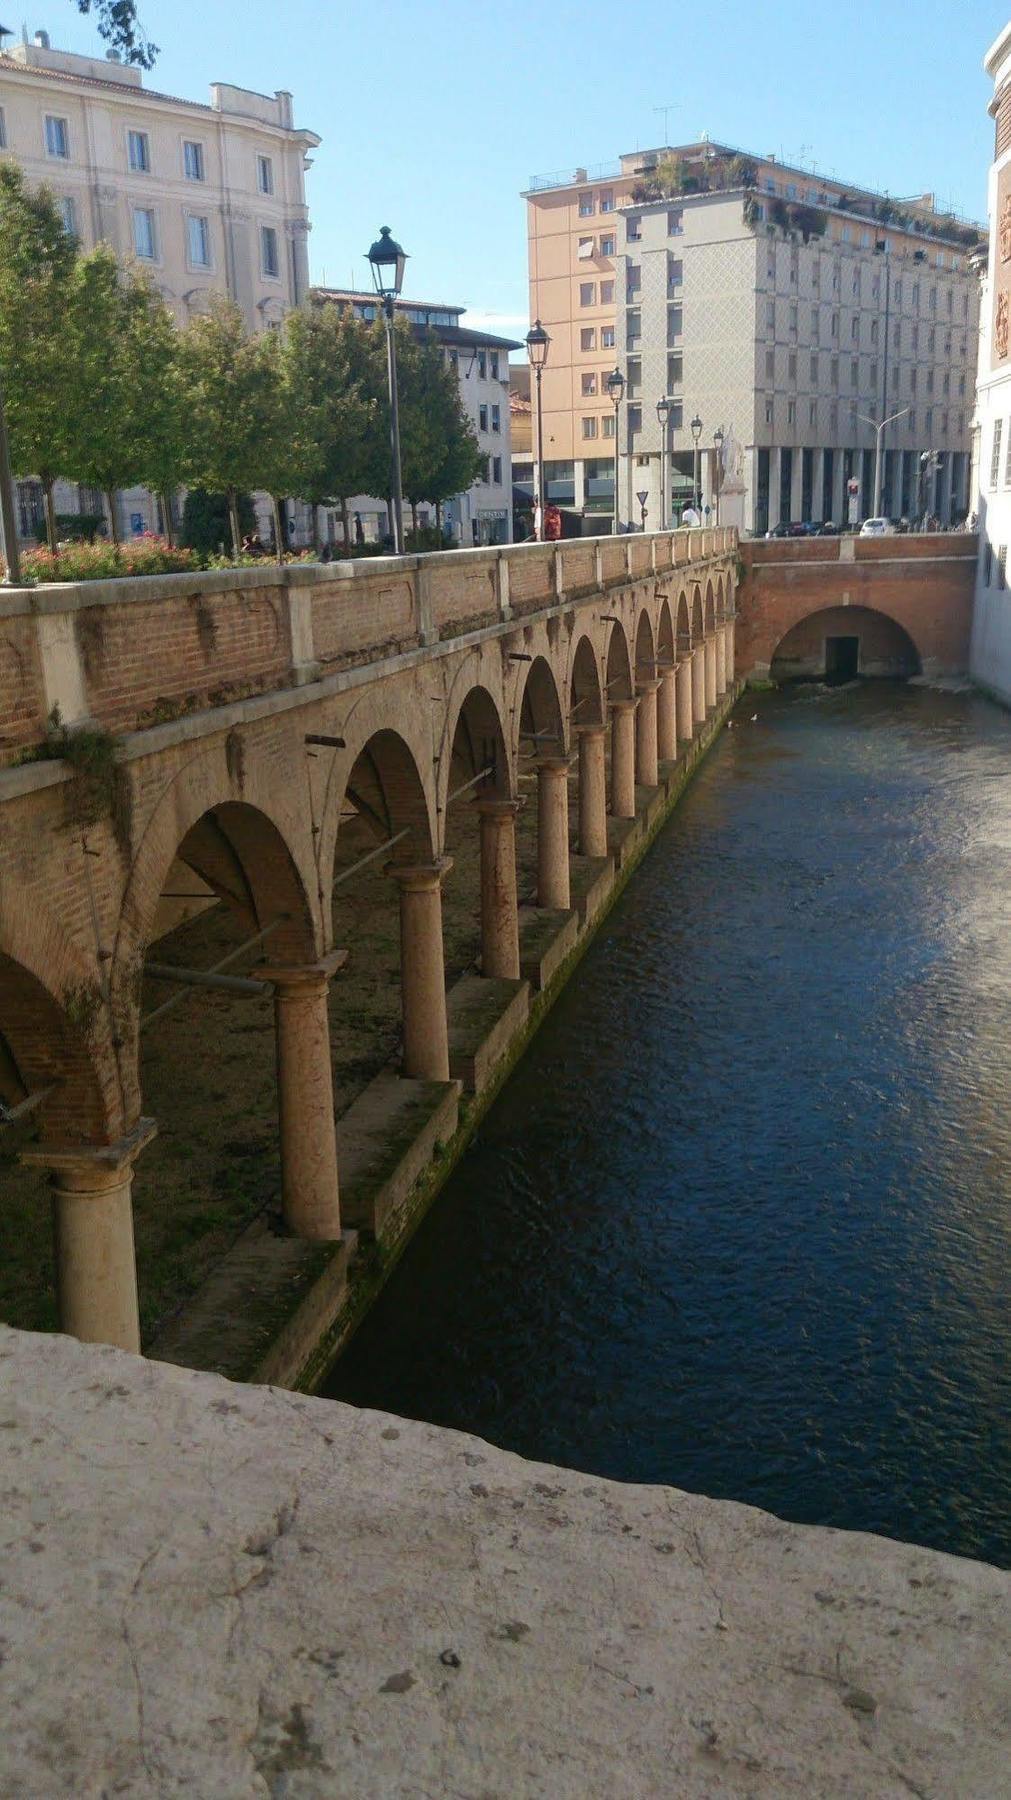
x=740, y=1220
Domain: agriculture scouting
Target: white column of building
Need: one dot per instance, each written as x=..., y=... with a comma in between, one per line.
x=818, y=487
x=773, y=488
x=797, y=485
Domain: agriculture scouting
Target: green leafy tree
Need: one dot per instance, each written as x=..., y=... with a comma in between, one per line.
x=105, y=426
x=439, y=451
x=336, y=366
x=233, y=406
x=206, y=523
x=158, y=400
x=36, y=272
x=119, y=26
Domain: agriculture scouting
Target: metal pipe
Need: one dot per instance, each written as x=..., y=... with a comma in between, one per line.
x=215, y=969
x=455, y=795
x=387, y=844
x=8, y=1114
x=228, y=984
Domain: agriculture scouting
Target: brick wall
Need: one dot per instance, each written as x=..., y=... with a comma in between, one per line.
x=22, y=690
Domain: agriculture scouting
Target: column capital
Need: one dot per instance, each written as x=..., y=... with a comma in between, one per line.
x=498, y=806
x=92, y=1166
x=556, y=764
x=589, y=731
x=649, y=686
x=623, y=706
x=305, y=975
x=420, y=878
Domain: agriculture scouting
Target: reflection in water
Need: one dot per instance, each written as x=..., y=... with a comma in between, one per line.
x=740, y=1220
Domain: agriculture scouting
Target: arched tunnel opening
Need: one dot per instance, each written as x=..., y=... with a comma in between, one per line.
x=845, y=643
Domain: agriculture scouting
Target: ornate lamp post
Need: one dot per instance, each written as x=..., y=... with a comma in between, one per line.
x=537, y=355
x=387, y=260
x=696, y=431
x=717, y=467
x=616, y=388
x=663, y=414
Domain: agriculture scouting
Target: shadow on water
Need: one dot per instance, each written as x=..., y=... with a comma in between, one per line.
x=740, y=1220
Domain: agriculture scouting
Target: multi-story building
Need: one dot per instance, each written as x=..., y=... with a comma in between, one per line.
x=990, y=659
x=781, y=308
x=209, y=199
x=482, y=515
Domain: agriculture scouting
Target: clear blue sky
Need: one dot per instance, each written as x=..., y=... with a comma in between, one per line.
x=433, y=117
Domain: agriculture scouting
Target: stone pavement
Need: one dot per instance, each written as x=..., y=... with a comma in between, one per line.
x=214, y=1590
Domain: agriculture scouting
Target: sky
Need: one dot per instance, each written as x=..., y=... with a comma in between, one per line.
x=434, y=117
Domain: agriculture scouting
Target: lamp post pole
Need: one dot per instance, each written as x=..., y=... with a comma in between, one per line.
x=696, y=431
x=537, y=354
x=663, y=415
x=879, y=429
x=616, y=387
x=717, y=468
x=387, y=260
x=8, y=521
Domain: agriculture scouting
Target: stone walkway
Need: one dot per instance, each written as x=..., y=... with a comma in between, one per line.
x=222, y=1590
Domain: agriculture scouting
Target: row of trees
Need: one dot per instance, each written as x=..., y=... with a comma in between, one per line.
x=102, y=387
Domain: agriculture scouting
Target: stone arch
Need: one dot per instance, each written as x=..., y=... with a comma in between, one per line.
x=385, y=790
x=665, y=634
x=698, y=618
x=721, y=600
x=884, y=647
x=54, y=1035
x=684, y=623
x=586, y=697
x=541, y=716
x=710, y=613
x=477, y=741
x=619, y=666
x=645, y=649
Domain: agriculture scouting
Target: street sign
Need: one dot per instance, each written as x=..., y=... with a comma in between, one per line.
x=853, y=501
x=642, y=495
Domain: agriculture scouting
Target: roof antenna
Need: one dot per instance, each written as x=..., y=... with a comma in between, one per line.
x=669, y=108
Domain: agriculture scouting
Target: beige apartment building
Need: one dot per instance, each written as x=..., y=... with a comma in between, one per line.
x=207, y=198
x=781, y=307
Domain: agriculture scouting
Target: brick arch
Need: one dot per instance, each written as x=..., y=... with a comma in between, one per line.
x=404, y=710
x=645, y=649
x=55, y=1032
x=710, y=610
x=586, y=693
x=721, y=600
x=540, y=714
x=385, y=787
x=620, y=684
x=698, y=617
x=477, y=738
x=886, y=646
x=665, y=632
x=683, y=617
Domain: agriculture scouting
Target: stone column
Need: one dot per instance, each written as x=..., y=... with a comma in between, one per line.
x=666, y=717
x=96, y=1270
x=592, y=791
x=553, y=832
x=646, y=772
x=721, y=661
x=710, y=667
x=500, y=940
x=309, y=1187
x=683, y=691
x=728, y=636
x=699, y=684
x=623, y=759
x=422, y=968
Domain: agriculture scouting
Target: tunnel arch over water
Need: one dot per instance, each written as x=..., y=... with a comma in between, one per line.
x=842, y=642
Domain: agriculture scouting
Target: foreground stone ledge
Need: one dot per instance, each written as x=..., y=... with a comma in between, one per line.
x=214, y=1589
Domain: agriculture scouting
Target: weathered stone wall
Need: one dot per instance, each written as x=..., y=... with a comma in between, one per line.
x=214, y=1589
x=924, y=584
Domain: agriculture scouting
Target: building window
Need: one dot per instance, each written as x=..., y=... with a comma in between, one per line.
x=791, y=365
x=496, y=418
x=482, y=418
x=770, y=315
x=57, y=137
x=587, y=293
x=770, y=365
x=68, y=214
x=607, y=293
x=607, y=244
x=493, y=367
x=584, y=249
x=633, y=278
x=269, y=261
x=589, y=427
x=265, y=174
x=138, y=150
x=835, y=325
x=675, y=372
x=855, y=373
x=193, y=161
x=482, y=366
x=675, y=222
x=588, y=382
x=932, y=300
x=634, y=420
x=606, y=200
x=676, y=416
x=633, y=230
x=198, y=242
x=675, y=271
x=987, y=563
x=586, y=206
x=496, y=470
x=791, y=412
x=930, y=381
x=633, y=325
x=145, y=243
x=607, y=337
x=855, y=329
x=928, y=422
x=768, y=412
x=588, y=338
x=812, y=413
x=897, y=336
x=607, y=425
x=998, y=427
x=675, y=323
x=874, y=331
x=634, y=376
x=814, y=370
x=834, y=371
x=815, y=323
x=931, y=342
x=1002, y=567
x=874, y=375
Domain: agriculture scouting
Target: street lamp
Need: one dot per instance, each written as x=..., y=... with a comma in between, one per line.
x=930, y=462
x=387, y=260
x=537, y=355
x=696, y=431
x=878, y=451
x=717, y=468
x=616, y=387
x=663, y=415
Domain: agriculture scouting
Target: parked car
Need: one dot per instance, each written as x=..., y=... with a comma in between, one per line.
x=877, y=528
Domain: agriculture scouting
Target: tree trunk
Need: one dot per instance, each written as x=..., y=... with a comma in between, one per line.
x=166, y=507
x=414, y=521
x=110, y=499
x=275, y=507
x=438, y=519
x=345, y=522
x=233, y=520
x=48, y=484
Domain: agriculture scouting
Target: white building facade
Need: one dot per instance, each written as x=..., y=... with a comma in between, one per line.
x=207, y=198
x=792, y=347
x=990, y=656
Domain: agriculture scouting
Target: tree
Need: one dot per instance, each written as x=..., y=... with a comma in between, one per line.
x=158, y=398
x=104, y=445
x=336, y=367
x=119, y=26
x=233, y=406
x=206, y=521
x=36, y=268
x=439, y=451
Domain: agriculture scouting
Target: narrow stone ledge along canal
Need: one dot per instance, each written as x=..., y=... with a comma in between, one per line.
x=739, y=1221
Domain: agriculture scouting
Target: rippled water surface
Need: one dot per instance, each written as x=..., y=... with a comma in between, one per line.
x=740, y=1220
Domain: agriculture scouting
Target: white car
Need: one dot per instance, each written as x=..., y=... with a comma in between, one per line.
x=877, y=528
